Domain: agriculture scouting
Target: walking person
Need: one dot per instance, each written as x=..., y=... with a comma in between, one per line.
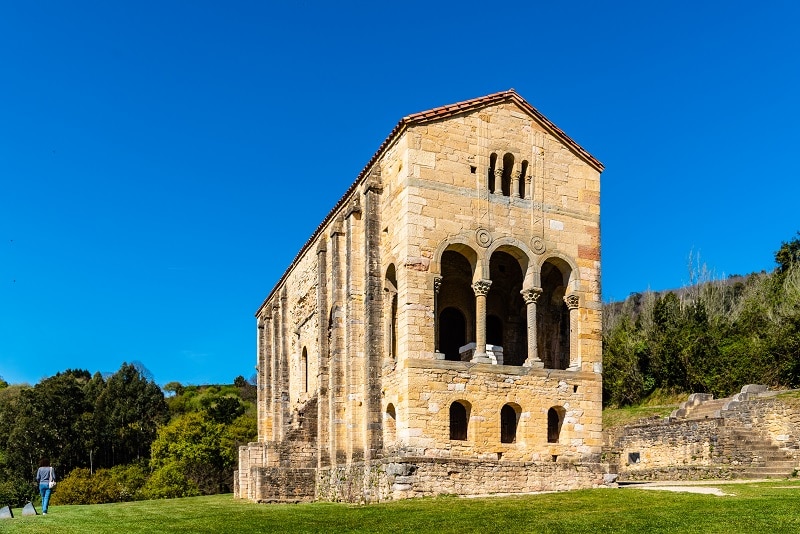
x=46, y=477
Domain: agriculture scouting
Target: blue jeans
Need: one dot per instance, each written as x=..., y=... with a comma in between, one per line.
x=45, y=491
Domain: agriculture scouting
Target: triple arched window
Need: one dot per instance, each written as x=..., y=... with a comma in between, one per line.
x=506, y=177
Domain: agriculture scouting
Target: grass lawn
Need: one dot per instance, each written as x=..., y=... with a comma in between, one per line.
x=771, y=507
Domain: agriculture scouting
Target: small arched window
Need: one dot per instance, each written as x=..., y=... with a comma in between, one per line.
x=491, y=183
x=508, y=168
x=458, y=421
x=508, y=424
x=523, y=173
x=390, y=427
x=555, y=418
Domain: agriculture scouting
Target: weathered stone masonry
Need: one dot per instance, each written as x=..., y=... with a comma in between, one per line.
x=440, y=331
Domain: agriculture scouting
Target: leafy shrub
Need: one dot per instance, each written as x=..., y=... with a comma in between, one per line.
x=16, y=492
x=129, y=480
x=81, y=487
x=169, y=482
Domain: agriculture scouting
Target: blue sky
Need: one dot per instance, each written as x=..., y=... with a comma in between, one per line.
x=161, y=163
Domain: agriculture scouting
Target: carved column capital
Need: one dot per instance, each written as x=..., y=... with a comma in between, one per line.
x=531, y=295
x=437, y=284
x=481, y=287
x=572, y=301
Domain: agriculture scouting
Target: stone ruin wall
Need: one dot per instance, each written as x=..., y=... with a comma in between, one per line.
x=664, y=449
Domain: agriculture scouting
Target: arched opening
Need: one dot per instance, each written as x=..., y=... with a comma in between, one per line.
x=459, y=416
x=494, y=330
x=490, y=179
x=390, y=289
x=509, y=416
x=506, y=315
x=553, y=316
x=555, y=418
x=455, y=304
x=304, y=370
x=452, y=333
x=523, y=174
x=508, y=168
x=390, y=425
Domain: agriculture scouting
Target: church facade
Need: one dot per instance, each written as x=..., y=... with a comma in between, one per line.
x=440, y=332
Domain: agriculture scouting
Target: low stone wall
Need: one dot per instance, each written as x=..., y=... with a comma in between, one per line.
x=778, y=417
x=410, y=477
x=711, y=448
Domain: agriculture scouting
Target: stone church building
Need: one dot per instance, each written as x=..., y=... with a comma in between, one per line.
x=439, y=333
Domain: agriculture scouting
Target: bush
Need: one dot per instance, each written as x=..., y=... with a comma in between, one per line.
x=16, y=492
x=129, y=480
x=81, y=487
x=169, y=482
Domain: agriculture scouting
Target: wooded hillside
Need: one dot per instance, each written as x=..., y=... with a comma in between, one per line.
x=712, y=337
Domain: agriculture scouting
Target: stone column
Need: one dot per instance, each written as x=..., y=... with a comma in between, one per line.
x=531, y=295
x=572, y=301
x=323, y=376
x=286, y=415
x=437, y=284
x=277, y=413
x=528, y=187
x=373, y=335
x=515, y=184
x=481, y=288
x=498, y=181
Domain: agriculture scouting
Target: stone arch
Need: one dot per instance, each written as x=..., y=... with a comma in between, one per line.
x=565, y=263
x=458, y=244
x=555, y=419
x=459, y=420
x=455, y=299
x=520, y=251
x=504, y=303
x=552, y=314
x=509, y=420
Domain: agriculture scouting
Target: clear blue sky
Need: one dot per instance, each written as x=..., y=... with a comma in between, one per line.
x=162, y=162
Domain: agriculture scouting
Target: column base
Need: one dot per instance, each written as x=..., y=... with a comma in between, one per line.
x=534, y=364
x=480, y=358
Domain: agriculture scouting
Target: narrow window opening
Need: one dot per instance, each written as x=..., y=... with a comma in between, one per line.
x=508, y=424
x=473, y=169
x=304, y=369
x=554, y=421
x=491, y=180
x=508, y=168
x=458, y=422
x=523, y=173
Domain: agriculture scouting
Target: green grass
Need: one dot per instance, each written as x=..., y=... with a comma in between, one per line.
x=753, y=507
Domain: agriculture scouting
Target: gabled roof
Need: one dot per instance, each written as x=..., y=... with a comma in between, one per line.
x=431, y=115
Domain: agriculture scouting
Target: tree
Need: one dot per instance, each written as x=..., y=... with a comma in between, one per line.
x=788, y=254
x=194, y=443
x=129, y=411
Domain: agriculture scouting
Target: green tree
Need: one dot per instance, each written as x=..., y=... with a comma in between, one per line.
x=788, y=254
x=129, y=411
x=193, y=442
